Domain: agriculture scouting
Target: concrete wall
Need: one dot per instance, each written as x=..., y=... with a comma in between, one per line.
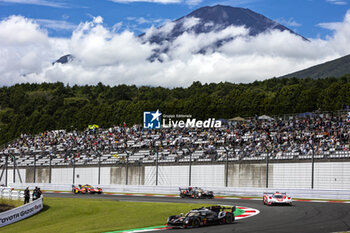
x=332, y=176
x=22, y=172
x=62, y=176
x=42, y=175
x=208, y=175
x=328, y=175
x=290, y=175
x=248, y=175
x=201, y=175
x=167, y=175
x=136, y=175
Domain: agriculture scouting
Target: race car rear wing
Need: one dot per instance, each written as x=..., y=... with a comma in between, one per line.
x=221, y=208
x=269, y=193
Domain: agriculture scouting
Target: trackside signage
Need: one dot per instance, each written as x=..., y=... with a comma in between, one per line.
x=21, y=212
x=152, y=120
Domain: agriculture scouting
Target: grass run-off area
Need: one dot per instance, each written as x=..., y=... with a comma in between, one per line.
x=97, y=215
x=6, y=204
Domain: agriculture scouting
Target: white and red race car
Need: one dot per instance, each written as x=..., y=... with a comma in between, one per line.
x=277, y=198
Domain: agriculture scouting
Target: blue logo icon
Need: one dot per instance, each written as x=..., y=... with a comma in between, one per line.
x=151, y=120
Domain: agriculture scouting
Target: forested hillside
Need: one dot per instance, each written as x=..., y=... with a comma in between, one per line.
x=35, y=108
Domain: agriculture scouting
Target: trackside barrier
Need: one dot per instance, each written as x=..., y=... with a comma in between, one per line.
x=224, y=191
x=9, y=193
x=20, y=213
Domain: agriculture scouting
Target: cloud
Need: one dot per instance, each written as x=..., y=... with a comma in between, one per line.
x=56, y=24
x=337, y=2
x=290, y=22
x=188, y=2
x=112, y=57
x=151, y=1
x=193, y=2
x=149, y=21
x=37, y=2
x=25, y=48
x=333, y=26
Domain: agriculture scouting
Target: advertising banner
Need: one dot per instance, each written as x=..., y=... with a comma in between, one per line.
x=21, y=212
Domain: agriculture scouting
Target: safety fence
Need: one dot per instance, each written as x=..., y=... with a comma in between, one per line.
x=218, y=191
x=8, y=192
x=304, y=175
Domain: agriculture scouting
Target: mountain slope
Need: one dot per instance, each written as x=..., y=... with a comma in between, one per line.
x=205, y=20
x=215, y=18
x=335, y=68
x=64, y=59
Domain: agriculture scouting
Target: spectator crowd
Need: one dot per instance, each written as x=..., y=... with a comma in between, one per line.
x=316, y=134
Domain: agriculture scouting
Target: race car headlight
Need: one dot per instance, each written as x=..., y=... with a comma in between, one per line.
x=199, y=194
x=186, y=222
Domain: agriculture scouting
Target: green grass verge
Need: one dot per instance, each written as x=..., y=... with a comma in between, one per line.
x=15, y=203
x=97, y=215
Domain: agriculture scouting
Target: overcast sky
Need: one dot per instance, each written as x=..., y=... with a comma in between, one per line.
x=102, y=35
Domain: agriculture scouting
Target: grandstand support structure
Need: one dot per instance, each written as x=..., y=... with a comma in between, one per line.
x=157, y=157
x=50, y=167
x=73, y=161
x=99, y=168
x=267, y=160
x=312, y=164
x=226, y=166
x=190, y=169
x=34, y=173
x=5, y=169
x=15, y=168
x=127, y=168
x=267, y=169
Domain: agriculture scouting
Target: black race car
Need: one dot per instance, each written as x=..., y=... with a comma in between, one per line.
x=203, y=216
x=195, y=192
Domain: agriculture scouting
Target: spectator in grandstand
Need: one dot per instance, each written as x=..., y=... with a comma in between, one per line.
x=250, y=139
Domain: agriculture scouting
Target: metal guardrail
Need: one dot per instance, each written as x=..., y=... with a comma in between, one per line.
x=225, y=191
x=8, y=192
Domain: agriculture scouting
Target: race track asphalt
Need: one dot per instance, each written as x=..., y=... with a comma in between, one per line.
x=302, y=217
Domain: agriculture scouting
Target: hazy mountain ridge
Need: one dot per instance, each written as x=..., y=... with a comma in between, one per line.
x=335, y=68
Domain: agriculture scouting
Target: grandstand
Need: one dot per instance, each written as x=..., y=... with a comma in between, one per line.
x=323, y=136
